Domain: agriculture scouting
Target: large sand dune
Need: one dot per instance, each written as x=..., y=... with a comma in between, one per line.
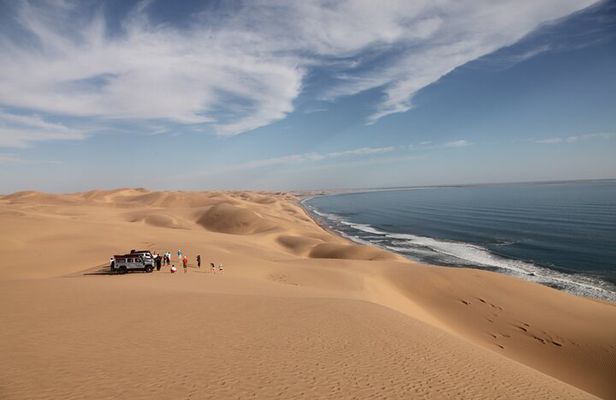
x=297, y=312
x=227, y=218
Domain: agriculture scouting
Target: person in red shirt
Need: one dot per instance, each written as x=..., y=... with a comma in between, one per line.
x=185, y=263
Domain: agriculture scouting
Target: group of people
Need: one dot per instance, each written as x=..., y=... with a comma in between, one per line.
x=165, y=259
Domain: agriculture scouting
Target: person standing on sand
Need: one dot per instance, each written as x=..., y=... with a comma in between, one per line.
x=199, y=260
x=179, y=255
x=213, y=267
x=185, y=264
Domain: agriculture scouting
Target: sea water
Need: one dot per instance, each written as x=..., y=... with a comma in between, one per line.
x=558, y=234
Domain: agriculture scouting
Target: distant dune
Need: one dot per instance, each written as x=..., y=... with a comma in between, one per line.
x=297, y=312
x=350, y=252
x=228, y=218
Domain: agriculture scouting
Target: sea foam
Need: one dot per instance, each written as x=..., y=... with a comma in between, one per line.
x=452, y=253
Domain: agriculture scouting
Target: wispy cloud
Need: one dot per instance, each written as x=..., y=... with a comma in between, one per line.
x=347, y=157
x=457, y=143
x=575, y=139
x=19, y=130
x=429, y=145
x=233, y=72
x=202, y=75
x=551, y=37
x=306, y=157
x=9, y=158
x=363, y=151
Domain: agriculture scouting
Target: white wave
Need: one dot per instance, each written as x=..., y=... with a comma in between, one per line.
x=413, y=253
x=363, y=227
x=473, y=255
x=331, y=217
x=467, y=253
x=450, y=252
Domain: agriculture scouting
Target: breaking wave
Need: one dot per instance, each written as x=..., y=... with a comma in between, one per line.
x=453, y=253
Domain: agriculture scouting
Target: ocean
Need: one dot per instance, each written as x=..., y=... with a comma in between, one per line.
x=559, y=234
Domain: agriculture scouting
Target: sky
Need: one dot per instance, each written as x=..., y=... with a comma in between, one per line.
x=278, y=95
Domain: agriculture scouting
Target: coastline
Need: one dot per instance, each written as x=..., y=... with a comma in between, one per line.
x=462, y=327
x=576, y=282
x=487, y=328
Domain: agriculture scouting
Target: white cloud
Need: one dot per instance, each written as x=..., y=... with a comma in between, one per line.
x=461, y=32
x=552, y=140
x=531, y=53
x=572, y=139
x=19, y=130
x=238, y=71
x=457, y=143
x=575, y=139
x=304, y=158
x=361, y=151
x=350, y=156
x=428, y=145
x=9, y=158
x=150, y=72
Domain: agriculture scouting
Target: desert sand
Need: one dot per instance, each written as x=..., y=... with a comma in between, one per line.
x=297, y=312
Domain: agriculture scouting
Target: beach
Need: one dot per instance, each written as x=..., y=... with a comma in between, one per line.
x=297, y=312
x=559, y=234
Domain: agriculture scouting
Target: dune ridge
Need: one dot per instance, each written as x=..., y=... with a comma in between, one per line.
x=227, y=218
x=297, y=312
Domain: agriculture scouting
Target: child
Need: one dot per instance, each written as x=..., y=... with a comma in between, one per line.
x=185, y=264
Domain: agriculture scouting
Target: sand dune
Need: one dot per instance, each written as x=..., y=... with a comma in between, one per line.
x=299, y=245
x=156, y=218
x=296, y=313
x=36, y=198
x=349, y=252
x=227, y=218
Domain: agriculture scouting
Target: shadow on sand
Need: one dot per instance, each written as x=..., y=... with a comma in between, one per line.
x=99, y=270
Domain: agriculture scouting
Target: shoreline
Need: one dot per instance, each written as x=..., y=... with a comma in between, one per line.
x=288, y=284
x=551, y=277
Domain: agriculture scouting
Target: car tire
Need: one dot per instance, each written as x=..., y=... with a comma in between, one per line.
x=149, y=269
x=122, y=270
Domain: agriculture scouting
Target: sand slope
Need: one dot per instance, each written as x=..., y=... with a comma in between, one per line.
x=297, y=312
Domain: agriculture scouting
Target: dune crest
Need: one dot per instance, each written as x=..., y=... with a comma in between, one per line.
x=350, y=252
x=158, y=219
x=227, y=218
x=296, y=244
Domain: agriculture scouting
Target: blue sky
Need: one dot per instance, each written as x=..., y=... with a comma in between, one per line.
x=304, y=95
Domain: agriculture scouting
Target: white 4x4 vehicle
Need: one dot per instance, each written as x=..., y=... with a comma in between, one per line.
x=131, y=262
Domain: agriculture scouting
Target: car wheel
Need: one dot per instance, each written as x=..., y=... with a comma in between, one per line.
x=149, y=269
x=122, y=270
